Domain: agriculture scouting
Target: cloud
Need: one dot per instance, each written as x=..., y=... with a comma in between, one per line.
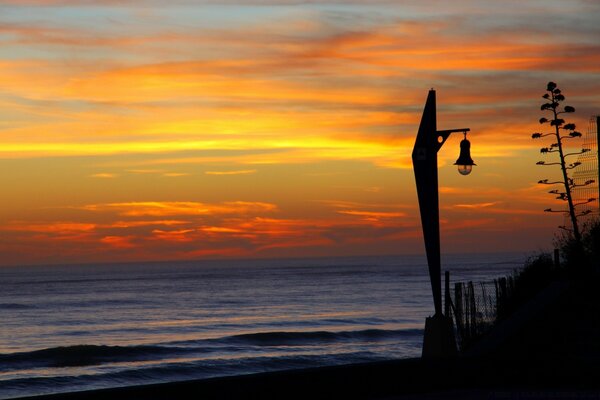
x=119, y=242
x=327, y=93
x=373, y=215
x=454, y=190
x=180, y=235
x=476, y=205
x=66, y=228
x=145, y=171
x=51, y=227
x=175, y=174
x=238, y=172
x=104, y=175
x=133, y=224
x=174, y=208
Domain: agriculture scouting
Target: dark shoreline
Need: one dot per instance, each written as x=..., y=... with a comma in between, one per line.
x=462, y=377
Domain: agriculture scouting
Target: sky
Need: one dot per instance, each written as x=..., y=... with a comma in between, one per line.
x=193, y=129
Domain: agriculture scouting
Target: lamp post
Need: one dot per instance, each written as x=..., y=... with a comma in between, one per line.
x=439, y=334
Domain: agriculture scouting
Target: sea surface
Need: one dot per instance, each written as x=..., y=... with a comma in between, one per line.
x=81, y=327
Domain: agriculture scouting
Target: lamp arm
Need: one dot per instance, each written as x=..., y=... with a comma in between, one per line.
x=444, y=134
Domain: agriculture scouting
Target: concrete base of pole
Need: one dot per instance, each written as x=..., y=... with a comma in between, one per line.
x=439, y=338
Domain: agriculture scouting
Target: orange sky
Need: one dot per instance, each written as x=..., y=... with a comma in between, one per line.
x=152, y=130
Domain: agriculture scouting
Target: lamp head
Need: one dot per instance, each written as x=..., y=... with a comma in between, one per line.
x=465, y=162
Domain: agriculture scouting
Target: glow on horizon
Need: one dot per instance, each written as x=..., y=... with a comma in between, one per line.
x=147, y=131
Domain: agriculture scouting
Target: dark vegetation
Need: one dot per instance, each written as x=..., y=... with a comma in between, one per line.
x=477, y=307
x=576, y=262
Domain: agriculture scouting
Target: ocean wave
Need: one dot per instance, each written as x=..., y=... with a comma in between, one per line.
x=82, y=355
x=15, y=306
x=301, y=338
x=87, y=355
x=177, y=371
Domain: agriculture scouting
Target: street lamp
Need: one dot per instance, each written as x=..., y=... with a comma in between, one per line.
x=439, y=333
x=465, y=162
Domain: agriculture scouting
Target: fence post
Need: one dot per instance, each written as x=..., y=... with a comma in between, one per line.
x=472, y=310
x=467, y=311
x=458, y=312
x=503, y=299
x=499, y=310
x=447, y=299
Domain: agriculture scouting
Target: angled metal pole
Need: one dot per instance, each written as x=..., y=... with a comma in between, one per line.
x=429, y=141
x=438, y=338
x=424, y=158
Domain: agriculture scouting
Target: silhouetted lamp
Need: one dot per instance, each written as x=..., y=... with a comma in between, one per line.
x=439, y=339
x=465, y=162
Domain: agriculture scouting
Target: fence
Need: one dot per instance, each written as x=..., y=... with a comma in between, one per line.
x=474, y=307
x=586, y=176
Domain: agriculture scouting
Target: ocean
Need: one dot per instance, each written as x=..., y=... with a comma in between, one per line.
x=81, y=327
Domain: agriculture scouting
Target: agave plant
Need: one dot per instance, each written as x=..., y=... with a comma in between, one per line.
x=560, y=131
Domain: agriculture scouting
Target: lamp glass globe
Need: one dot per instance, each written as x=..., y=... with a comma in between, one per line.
x=465, y=169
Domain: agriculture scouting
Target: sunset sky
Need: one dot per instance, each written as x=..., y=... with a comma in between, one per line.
x=189, y=129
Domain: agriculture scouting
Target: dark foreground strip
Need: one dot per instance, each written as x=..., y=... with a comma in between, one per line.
x=403, y=379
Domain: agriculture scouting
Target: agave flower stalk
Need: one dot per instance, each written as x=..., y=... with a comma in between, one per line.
x=561, y=131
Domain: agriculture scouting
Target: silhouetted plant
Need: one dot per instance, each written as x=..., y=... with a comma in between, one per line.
x=561, y=132
x=537, y=273
x=591, y=243
x=585, y=253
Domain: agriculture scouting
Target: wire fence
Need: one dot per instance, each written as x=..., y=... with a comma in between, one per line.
x=475, y=307
x=585, y=176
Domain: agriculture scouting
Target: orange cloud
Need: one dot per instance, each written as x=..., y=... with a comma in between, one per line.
x=218, y=229
x=132, y=224
x=174, y=236
x=119, y=242
x=373, y=215
x=52, y=227
x=162, y=209
x=238, y=172
x=175, y=174
x=476, y=205
x=104, y=175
